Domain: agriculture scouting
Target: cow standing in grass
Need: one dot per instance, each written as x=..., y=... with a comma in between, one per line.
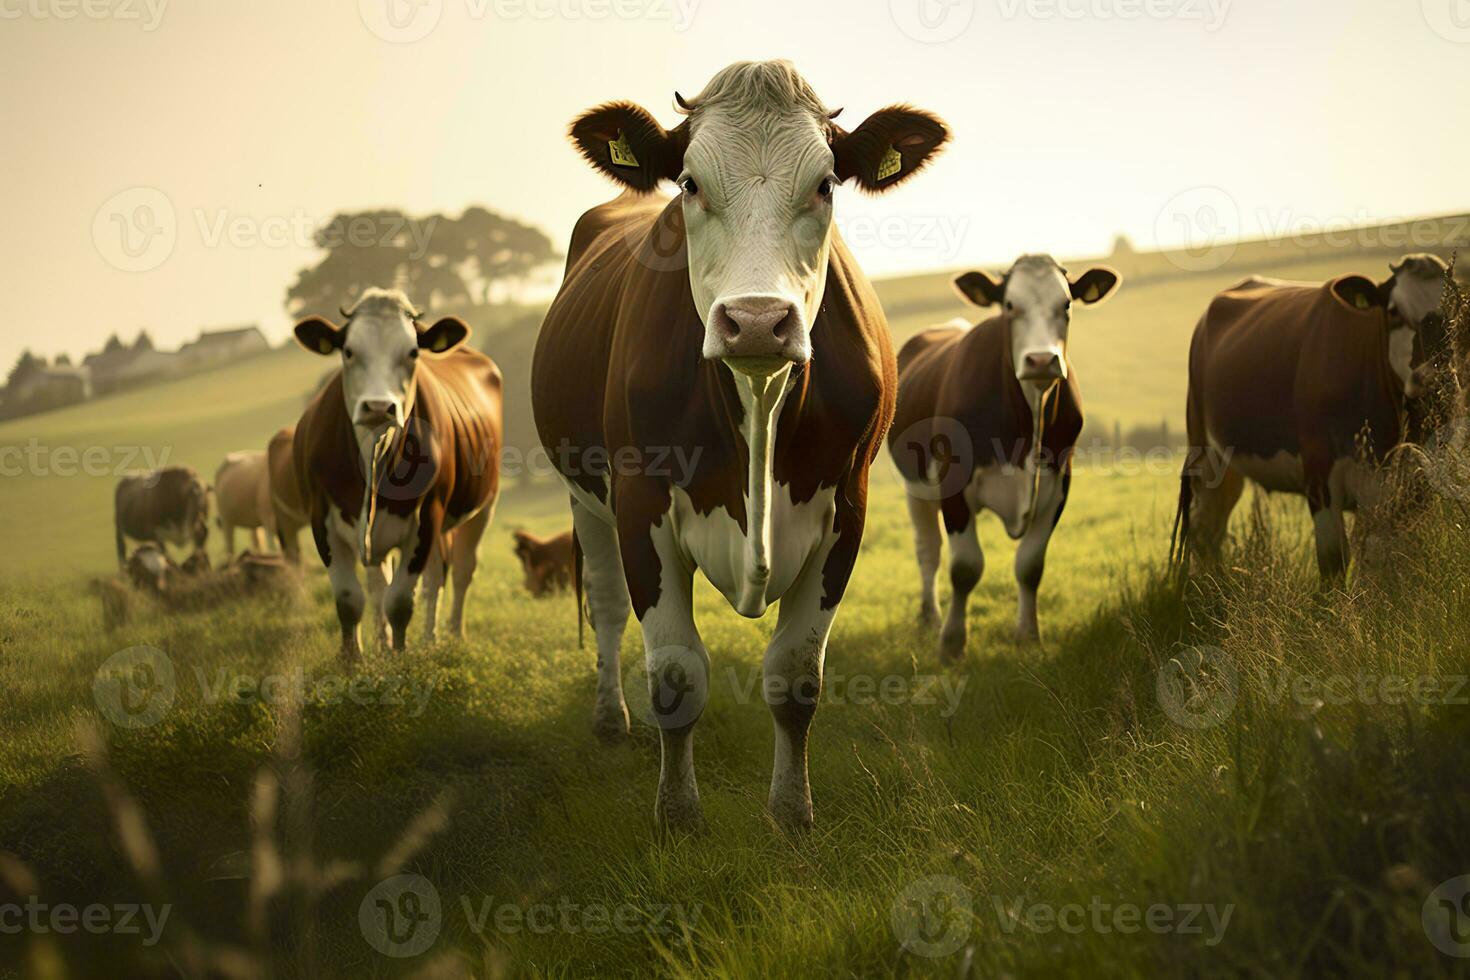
x=166, y=506
x=714, y=381
x=289, y=512
x=1303, y=388
x=242, y=497
x=400, y=452
x=988, y=417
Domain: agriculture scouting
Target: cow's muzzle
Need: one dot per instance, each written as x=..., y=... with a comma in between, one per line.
x=757, y=335
x=376, y=413
x=1042, y=366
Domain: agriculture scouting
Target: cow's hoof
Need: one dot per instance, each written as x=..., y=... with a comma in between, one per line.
x=952, y=645
x=1028, y=636
x=791, y=813
x=681, y=817
x=611, y=726
x=929, y=616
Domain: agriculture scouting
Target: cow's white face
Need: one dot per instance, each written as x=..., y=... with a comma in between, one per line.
x=379, y=347
x=757, y=192
x=1037, y=298
x=757, y=163
x=1416, y=327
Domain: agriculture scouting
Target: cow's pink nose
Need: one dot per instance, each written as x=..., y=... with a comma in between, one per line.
x=371, y=411
x=755, y=327
x=1038, y=367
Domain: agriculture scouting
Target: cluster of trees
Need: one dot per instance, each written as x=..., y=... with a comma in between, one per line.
x=440, y=262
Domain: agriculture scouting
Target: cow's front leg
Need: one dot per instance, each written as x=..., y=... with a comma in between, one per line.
x=607, y=602
x=966, y=565
x=1031, y=557
x=678, y=680
x=377, y=587
x=340, y=554
x=792, y=686
x=928, y=545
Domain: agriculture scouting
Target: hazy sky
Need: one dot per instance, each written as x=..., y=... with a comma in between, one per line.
x=1074, y=120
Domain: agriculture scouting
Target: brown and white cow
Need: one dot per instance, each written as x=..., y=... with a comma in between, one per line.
x=166, y=506
x=1286, y=378
x=289, y=512
x=549, y=563
x=415, y=416
x=242, y=499
x=988, y=417
x=714, y=381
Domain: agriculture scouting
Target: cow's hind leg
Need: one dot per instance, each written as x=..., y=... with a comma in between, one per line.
x=793, y=686
x=1216, y=487
x=1325, y=502
x=465, y=559
x=928, y=549
x=607, y=600
x=966, y=565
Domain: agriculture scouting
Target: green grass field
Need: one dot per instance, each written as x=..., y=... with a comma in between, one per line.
x=1061, y=810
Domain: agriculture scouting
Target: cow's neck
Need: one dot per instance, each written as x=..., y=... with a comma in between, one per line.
x=762, y=399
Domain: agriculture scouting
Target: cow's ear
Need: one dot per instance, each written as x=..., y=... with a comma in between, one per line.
x=320, y=336
x=889, y=147
x=1095, y=285
x=1360, y=292
x=444, y=336
x=624, y=142
x=979, y=289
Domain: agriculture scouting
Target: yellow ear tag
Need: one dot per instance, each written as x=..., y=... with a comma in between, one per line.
x=1092, y=293
x=891, y=164
x=621, y=152
x=441, y=344
x=326, y=346
x=1361, y=301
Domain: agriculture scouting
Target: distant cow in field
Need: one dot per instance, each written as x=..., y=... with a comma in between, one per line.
x=167, y=506
x=288, y=508
x=1302, y=388
x=988, y=417
x=547, y=562
x=242, y=499
x=714, y=380
x=399, y=452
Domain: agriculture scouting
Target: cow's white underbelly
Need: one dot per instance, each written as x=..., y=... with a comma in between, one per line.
x=715, y=543
x=1012, y=493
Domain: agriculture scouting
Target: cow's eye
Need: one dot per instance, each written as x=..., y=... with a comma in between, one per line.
x=688, y=186
x=1010, y=307
x=826, y=187
x=347, y=353
x=413, y=355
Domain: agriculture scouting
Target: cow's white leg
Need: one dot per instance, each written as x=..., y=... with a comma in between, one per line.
x=966, y=565
x=928, y=548
x=346, y=589
x=377, y=585
x=257, y=538
x=1031, y=559
x=607, y=600
x=433, y=584
x=678, y=685
x=398, y=601
x=465, y=556
x=792, y=688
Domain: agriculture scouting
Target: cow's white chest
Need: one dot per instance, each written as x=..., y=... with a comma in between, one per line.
x=715, y=543
x=1013, y=493
x=1279, y=473
x=388, y=533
